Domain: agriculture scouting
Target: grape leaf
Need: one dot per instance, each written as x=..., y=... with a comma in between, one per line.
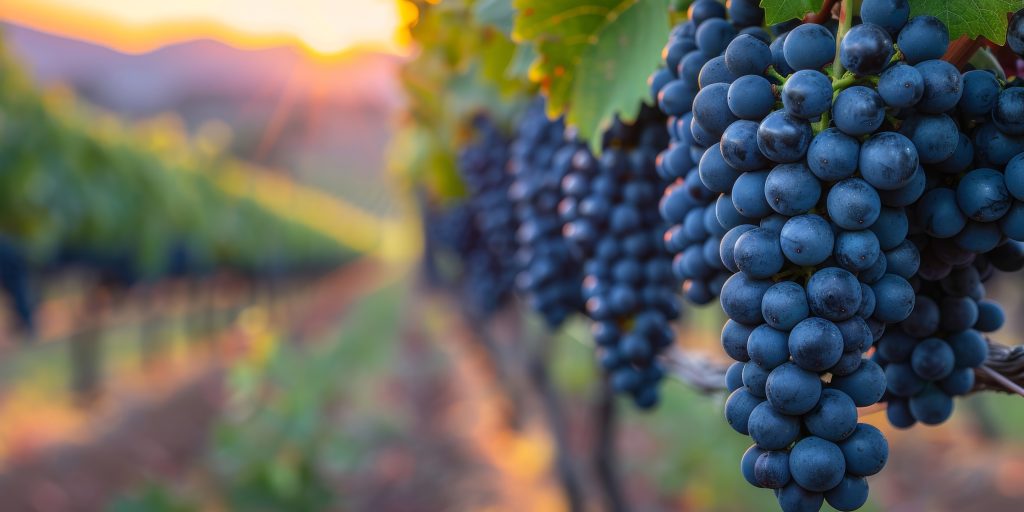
x=972, y=18
x=593, y=59
x=777, y=11
x=498, y=13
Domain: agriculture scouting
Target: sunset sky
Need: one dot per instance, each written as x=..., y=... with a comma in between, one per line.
x=323, y=26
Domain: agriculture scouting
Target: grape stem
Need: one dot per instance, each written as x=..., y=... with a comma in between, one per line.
x=845, y=22
x=1003, y=370
x=822, y=15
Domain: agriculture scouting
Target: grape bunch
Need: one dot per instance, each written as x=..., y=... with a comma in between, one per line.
x=866, y=189
x=628, y=284
x=550, y=276
x=931, y=356
x=691, y=205
x=488, y=249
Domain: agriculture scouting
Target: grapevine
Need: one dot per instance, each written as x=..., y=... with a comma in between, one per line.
x=845, y=178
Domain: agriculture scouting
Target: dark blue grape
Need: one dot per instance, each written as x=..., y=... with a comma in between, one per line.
x=783, y=306
x=901, y=86
x=747, y=55
x=714, y=72
x=891, y=227
x=791, y=189
x=903, y=260
x=807, y=94
x=738, y=407
x=739, y=147
x=833, y=155
x=767, y=347
x=703, y=10
x=713, y=36
x=858, y=110
x=741, y=298
x=711, y=109
x=857, y=251
x=809, y=46
x=866, y=49
x=793, y=390
x=1008, y=112
x=853, y=204
x=816, y=344
x=834, y=418
x=939, y=215
x=889, y=14
x=794, y=498
x=943, y=86
x=754, y=378
x=771, y=470
x=931, y=406
x=888, y=160
x=850, y=494
x=748, y=464
x=807, y=240
x=715, y=172
x=751, y=97
x=923, y=38
x=748, y=195
x=783, y=138
x=771, y=429
x=935, y=136
x=866, y=451
x=894, y=298
x=816, y=464
x=865, y=386
x=981, y=89
x=757, y=253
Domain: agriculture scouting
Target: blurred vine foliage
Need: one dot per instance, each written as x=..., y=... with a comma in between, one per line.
x=80, y=188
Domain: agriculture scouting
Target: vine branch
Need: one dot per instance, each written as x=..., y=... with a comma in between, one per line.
x=1003, y=371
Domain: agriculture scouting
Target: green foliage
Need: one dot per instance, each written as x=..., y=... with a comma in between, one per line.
x=466, y=64
x=972, y=18
x=76, y=182
x=593, y=59
x=777, y=11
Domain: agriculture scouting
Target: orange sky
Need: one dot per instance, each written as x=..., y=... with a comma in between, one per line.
x=324, y=26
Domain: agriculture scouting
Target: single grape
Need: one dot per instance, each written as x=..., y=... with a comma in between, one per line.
x=807, y=94
x=747, y=55
x=739, y=148
x=866, y=451
x=714, y=71
x=834, y=418
x=783, y=138
x=1008, y=112
x=866, y=49
x=807, y=240
x=816, y=464
x=982, y=195
x=1015, y=33
x=934, y=135
x=809, y=46
x=850, y=494
x=758, y=254
x=833, y=155
x=833, y=294
x=981, y=89
x=793, y=390
x=783, y=306
x=853, y=204
x=901, y=86
x=713, y=36
x=791, y=189
x=858, y=110
x=888, y=14
x=888, y=160
x=943, y=86
x=771, y=470
x=923, y=38
x=751, y=97
x=771, y=429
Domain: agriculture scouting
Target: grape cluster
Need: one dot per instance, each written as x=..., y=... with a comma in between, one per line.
x=931, y=356
x=693, y=59
x=859, y=201
x=628, y=284
x=550, y=276
x=488, y=249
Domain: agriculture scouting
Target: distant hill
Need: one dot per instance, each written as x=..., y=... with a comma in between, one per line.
x=328, y=121
x=160, y=80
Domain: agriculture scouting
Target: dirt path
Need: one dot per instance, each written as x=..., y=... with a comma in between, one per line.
x=143, y=435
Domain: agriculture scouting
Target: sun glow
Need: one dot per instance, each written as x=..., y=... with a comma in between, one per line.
x=326, y=27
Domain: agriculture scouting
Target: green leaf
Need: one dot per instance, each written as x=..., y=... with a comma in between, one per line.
x=498, y=13
x=777, y=11
x=594, y=58
x=972, y=18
